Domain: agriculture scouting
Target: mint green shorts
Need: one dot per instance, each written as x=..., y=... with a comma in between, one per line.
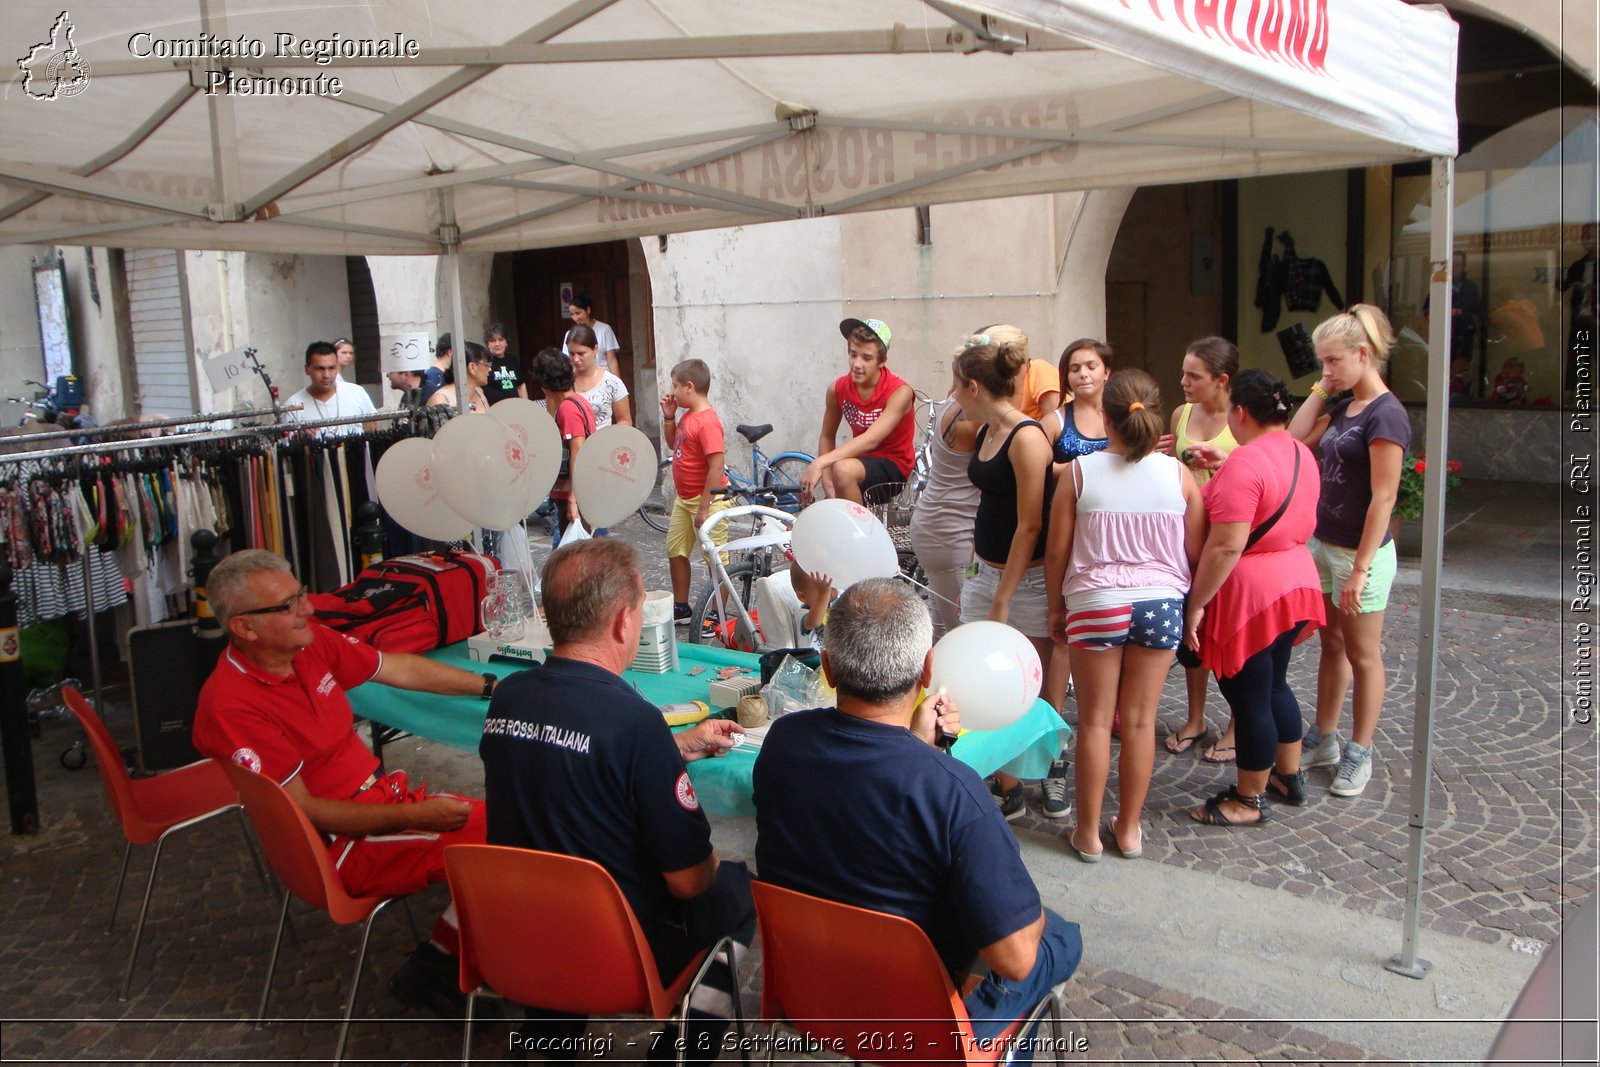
x=1334, y=565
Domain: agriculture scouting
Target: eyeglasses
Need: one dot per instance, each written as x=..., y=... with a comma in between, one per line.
x=288, y=605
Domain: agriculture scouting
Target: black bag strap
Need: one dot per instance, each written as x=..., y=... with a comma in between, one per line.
x=1261, y=531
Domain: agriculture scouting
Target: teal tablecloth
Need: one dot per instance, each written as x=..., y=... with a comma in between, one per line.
x=1025, y=748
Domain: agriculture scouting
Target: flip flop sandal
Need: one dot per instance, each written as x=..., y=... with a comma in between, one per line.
x=1212, y=814
x=1210, y=755
x=1179, y=743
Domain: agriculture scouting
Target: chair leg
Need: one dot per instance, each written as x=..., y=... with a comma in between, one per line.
x=272, y=962
x=144, y=910
x=116, y=897
x=355, y=983
x=466, y=1037
x=250, y=845
x=738, y=1004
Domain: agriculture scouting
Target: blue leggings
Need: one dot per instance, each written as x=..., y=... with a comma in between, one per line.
x=1265, y=712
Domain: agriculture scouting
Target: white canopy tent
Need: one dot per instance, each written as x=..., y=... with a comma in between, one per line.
x=512, y=124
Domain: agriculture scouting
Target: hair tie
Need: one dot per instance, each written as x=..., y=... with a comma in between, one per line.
x=978, y=339
x=1135, y=406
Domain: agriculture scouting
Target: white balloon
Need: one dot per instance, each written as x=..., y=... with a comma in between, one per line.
x=845, y=541
x=614, y=472
x=407, y=492
x=474, y=459
x=990, y=670
x=536, y=431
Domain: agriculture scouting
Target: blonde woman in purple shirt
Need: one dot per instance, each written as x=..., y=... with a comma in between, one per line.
x=1125, y=534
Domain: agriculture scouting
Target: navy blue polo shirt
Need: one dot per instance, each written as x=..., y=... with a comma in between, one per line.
x=576, y=762
x=866, y=814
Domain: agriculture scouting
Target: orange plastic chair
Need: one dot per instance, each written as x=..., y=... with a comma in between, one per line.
x=556, y=932
x=297, y=855
x=149, y=809
x=869, y=984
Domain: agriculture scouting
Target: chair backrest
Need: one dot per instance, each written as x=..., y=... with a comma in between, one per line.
x=831, y=969
x=550, y=930
x=294, y=849
x=107, y=756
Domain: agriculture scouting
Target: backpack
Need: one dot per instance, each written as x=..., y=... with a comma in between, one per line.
x=411, y=603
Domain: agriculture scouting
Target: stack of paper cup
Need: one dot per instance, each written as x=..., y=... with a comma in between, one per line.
x=657, y=607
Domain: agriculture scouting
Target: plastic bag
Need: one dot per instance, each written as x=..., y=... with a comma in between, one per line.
x=795, y=687
x=573, y=534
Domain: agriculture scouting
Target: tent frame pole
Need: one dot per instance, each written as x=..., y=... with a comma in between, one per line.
x=1437, y=435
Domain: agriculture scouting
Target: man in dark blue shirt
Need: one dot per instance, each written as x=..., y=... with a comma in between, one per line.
x=857, y=805
x=577, y=762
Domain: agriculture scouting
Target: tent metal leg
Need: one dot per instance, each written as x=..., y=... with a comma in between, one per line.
x=1438, y=439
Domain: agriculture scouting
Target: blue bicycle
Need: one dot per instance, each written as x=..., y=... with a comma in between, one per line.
x=776, y=479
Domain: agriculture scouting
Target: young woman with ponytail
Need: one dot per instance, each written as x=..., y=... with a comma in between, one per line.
x=1125, y=533
x=1362, y=439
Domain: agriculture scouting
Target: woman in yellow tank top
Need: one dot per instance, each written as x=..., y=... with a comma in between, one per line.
x=1208, y=367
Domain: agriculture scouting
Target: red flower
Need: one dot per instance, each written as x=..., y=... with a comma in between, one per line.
x=1421, y=466
x=1454, y=466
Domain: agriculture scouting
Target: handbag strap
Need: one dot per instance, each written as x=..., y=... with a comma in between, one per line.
x=1261, y=531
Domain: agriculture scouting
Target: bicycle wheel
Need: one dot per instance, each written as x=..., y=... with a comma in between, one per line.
x=723, y=631
x=783, y=476
x=657, y=507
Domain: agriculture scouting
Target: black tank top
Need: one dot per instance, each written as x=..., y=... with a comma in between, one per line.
x=996, y=523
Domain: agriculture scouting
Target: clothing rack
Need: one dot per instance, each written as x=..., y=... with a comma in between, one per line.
x=152, y=424
x=178, y=440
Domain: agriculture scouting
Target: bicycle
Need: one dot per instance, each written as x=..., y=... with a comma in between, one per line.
x=778, y=476
x=728, y=600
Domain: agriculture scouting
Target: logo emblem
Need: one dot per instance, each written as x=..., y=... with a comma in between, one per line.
x=686, y=798
x=623, y=459
x=516, y=456
x=247, y=758
x=424, y=479
x=54, y=69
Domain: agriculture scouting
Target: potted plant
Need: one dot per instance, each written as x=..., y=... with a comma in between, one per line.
x=1406, y=523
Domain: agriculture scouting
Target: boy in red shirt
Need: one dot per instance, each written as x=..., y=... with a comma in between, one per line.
x=697, y=455
x=874, y=402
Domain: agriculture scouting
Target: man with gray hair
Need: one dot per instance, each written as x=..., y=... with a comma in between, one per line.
x=858, y=805
x=276, y=704
x=575, y=761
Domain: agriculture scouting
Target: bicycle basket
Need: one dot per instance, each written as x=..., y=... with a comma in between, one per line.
x=892, y=505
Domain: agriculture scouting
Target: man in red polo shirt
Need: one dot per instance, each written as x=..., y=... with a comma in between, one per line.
x=874, y=402
x=276, y=704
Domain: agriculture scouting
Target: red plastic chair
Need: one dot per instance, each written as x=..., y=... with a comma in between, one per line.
x=556, y=932
x=149, y=809
x=297, y=855
x=869, y=984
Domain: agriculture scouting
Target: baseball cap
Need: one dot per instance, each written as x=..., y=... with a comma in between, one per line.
x=877, y=326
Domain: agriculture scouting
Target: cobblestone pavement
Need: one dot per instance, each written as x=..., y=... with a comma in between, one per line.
x=1513, y=836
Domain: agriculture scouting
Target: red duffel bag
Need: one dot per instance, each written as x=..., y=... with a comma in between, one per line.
x=411, y=603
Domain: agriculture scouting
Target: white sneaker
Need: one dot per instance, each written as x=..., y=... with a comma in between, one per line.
x=1319, y=750
x=1355, y=771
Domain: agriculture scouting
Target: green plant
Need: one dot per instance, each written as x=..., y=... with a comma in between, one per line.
x=1408, y=505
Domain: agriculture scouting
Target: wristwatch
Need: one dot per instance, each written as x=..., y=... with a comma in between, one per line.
x=488, y=684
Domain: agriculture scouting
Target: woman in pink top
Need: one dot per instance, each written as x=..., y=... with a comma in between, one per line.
x=1124, y=536
x=1255, y=590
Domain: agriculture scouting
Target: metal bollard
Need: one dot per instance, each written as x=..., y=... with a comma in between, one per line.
x=15, y=736
x=203, y=560
x=368, y=533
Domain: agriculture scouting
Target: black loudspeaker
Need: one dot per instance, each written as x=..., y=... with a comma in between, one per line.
x=169, y=664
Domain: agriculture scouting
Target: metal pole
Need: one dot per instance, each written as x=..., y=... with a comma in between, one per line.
x=151, y=424
x=1437, y=436
x=15, y=736
x=88, y=614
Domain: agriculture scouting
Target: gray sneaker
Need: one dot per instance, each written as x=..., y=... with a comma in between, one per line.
x=1056, y=804
x=1011, y=804
x=1319, y=750
x=1355, y=771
